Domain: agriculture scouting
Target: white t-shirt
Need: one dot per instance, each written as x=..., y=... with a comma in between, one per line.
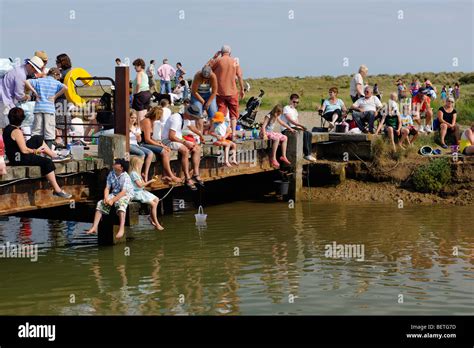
x=289, y=112
x=157, y=130
x=77, y=130
x=220, y=129
x=393, y=107
x=133, y=137
x=174, y=122
x=166, y=114
x=356, y=79
x=370, y=104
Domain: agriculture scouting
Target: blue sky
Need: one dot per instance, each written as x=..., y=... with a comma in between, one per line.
x=431, y=35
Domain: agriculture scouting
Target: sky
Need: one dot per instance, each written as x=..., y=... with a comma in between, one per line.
x=271, y=38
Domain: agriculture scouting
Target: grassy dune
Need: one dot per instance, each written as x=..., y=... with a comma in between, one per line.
x=312, y=89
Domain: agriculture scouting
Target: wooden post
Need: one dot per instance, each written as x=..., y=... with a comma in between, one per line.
x=122, y=103
x=109, y=224
x=295, y=156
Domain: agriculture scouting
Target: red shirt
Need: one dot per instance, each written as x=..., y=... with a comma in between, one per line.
x=417, y=99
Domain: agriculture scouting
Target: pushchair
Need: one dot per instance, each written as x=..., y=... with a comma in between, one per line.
x=247, y=117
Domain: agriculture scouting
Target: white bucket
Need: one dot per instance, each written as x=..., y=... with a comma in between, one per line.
x=200, y=216
x=77, y=152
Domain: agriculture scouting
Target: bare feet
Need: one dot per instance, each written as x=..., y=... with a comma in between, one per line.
x=228, y=164
x=234, y=162
x=166, y=180
x=120, y=233
x=150, y=220
x=159, y=227
x=176, y=179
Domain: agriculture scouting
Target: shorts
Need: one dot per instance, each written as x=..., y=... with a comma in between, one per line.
x=395, y=135
x=221, y=142
x=140, y=151
x=120, y=205
x=141, y=101
x=155, y=148
x=173, y=145
x=276, y=136
x=44, y=124
x=231, y=103
x=412, y=130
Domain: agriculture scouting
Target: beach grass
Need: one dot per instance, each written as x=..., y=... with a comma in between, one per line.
x=313, y=89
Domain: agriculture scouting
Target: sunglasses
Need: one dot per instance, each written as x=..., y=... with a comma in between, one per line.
x=295, y=102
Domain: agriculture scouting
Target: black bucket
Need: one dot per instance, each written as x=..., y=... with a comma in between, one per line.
x=320, y=129
x=282, y=187
x=340, y=128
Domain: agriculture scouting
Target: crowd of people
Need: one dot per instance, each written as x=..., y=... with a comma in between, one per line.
x=401, y=118
x=210, y=106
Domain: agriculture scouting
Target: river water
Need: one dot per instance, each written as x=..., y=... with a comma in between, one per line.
x=251, y=258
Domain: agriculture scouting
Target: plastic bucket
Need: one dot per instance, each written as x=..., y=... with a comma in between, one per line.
x=283, y=187
x=77, y=152
x=200, y=216
x=426, y=150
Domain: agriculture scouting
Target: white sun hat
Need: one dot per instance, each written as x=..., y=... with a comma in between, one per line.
x=36, y=62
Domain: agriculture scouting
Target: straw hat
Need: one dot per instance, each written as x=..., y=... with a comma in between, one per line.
x=36, y=62
x=42, y=55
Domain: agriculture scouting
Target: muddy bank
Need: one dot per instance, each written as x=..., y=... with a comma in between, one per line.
x=384, y=192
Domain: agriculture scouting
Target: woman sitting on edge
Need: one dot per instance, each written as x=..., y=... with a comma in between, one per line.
x=447, y=122
x=333, y=108
x=158, y=148
x=26, y=153
x=135, y=139
x=267, y=132
x=466, y=145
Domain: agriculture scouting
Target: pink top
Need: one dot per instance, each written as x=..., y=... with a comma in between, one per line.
x=166, y=72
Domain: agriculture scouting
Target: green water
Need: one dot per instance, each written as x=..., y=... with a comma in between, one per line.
x=252, y=258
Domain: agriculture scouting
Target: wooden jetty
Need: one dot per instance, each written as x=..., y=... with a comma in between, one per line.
x=24, y=191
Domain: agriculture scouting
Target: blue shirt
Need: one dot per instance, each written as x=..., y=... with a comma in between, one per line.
x=12, y=86
x=333, y=107
x=46, y=87
x=118, y=183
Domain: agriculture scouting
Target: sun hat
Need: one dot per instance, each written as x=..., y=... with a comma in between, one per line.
x=36, y=62
x=42, y=55
x=194, y=111
x=218, y=117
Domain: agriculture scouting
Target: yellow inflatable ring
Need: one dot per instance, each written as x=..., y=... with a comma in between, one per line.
x=69, y=81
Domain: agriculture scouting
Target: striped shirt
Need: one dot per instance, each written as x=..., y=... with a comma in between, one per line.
x=46, y=87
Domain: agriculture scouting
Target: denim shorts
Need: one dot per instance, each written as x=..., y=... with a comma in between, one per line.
x=141, y=151
x=155, y=148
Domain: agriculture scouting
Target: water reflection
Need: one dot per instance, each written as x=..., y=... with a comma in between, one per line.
x=252, y=258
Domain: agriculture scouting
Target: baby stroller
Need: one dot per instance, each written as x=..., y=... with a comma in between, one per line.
x=247, y=117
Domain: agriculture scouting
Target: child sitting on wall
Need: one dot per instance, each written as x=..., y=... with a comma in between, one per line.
x=139, y=192
x=220, y=132
x=118, y=192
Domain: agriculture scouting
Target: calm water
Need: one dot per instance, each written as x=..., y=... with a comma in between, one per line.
x=281, y=267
